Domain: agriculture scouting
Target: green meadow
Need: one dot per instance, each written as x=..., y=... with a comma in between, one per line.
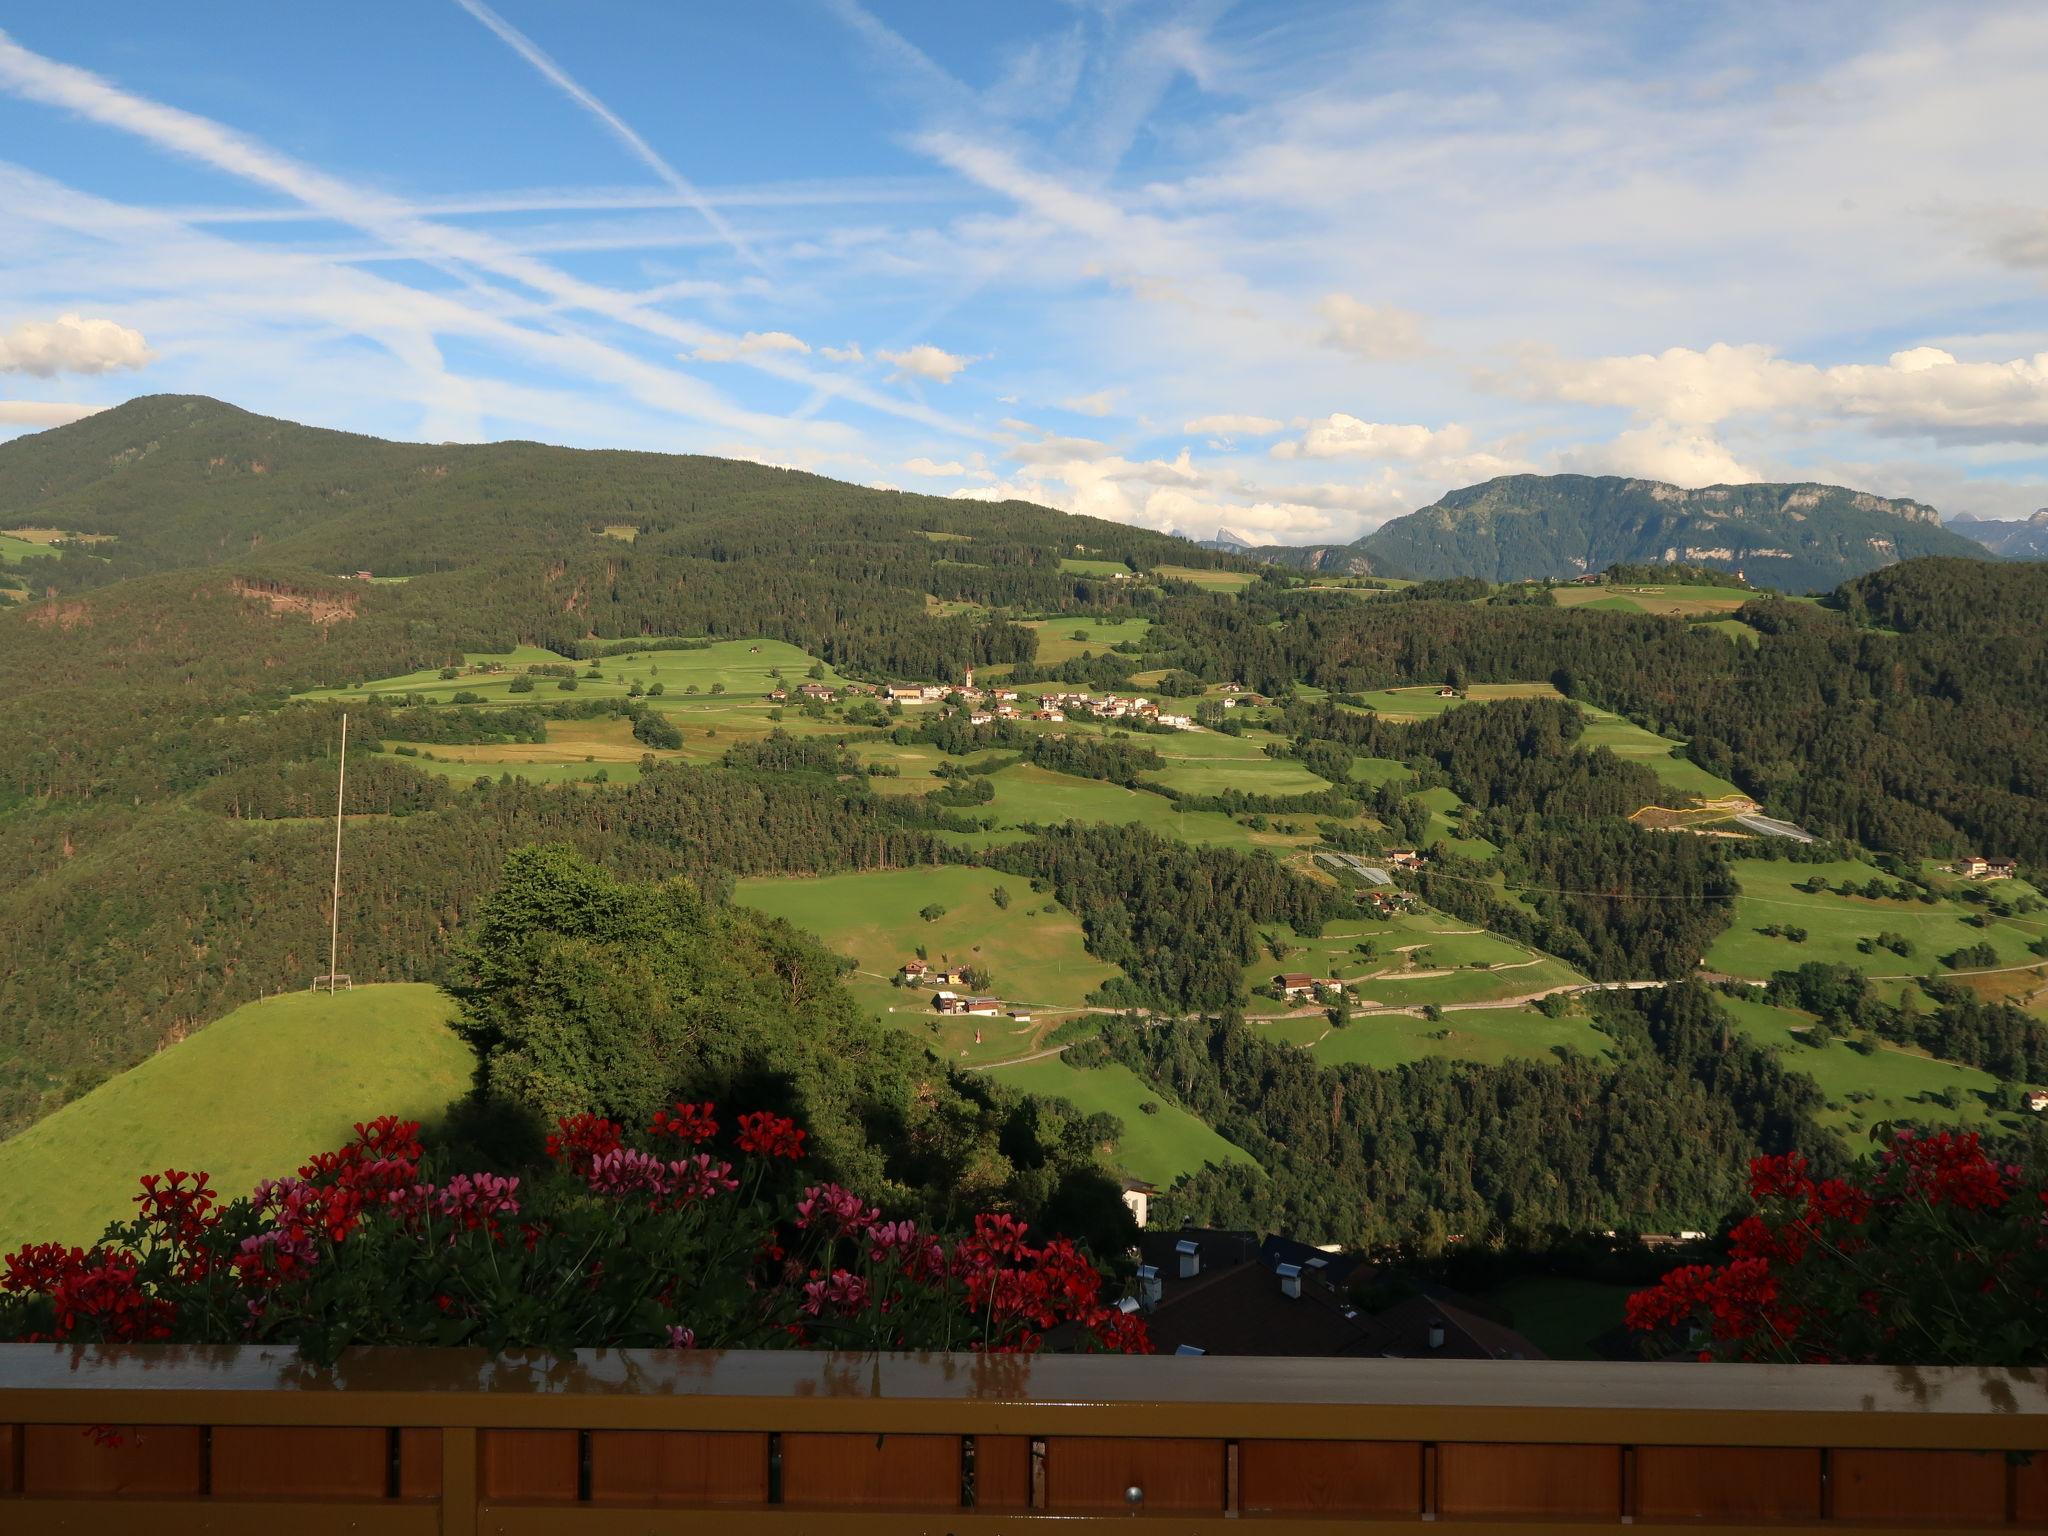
x=13, y=548
x=1417, y=958
x=1834, y=923
x=1213, y=763
x=246, y=1098
x=1034, y=796
x=1056, y=642
x=1157, y=1147
x=1679, y=601
x=1032, y=949
x=1657, y=753
x=1865, y=1088
x=1080, y=567
x=743, y=668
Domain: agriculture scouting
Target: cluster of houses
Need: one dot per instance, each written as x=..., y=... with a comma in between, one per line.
x=946, y=1000
x=1110, y=706
x=1977, y=867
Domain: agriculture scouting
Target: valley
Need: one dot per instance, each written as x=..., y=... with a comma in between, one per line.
x=1214, y=841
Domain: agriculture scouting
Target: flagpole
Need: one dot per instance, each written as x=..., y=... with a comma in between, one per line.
x=334, y=916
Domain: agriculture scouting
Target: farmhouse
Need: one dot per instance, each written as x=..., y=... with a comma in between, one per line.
x=778, y=693
x=1971, y=867
x=1406, y=858
x=947, y=1002
x=817, y=691
x=903, y=693
x=914, y=969
x=2000, y=869
x=1057, y=717
x=1295, y=983
x=2037, y=1100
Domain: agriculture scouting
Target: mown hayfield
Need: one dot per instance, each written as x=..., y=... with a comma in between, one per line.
x=1682, y=601
x=1056, y=642
x=1422, y=702
x=1033, y=949
x=1898, y=1083
x=13, y=547
x=1734, y=629
x=1215, y=581
x=246, y=1098
x=1834, y=923
x=1489, y=1035
x=1157, y=1147
x=1078, y=566
x=1446, y=824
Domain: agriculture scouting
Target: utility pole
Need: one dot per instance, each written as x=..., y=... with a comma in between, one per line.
x=334, y=916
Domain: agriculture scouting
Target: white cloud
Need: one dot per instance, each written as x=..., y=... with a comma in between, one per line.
x=1662, y=451
x=1370, y=331
x=71, y=343
x=850, y=353
x=922, y=466
x=1342, y=436
x=1235, y=426
x=1101, y=403
x=753, y=344
x=38, y=414
x=925, y=361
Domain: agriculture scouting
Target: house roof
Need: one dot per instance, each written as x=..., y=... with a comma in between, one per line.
x=1402, y=1331
x=1295, y=979
x=1241, y=1310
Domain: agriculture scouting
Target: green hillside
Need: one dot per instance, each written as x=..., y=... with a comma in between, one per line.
x=244, y=1099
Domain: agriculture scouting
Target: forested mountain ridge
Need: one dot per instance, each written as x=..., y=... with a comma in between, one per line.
x=1792, y=537
x=166, y=481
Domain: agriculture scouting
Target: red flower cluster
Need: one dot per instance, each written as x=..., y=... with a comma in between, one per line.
x=1835, y=1270
x=617, y=1245
x=768, y=1135
x=95, y=1295
x=693, y=1123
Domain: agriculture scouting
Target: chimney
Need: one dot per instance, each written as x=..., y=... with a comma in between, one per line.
x=1290, y=1279
x=1149, y=1288
x=1436, y=1333
x=1190, y=1253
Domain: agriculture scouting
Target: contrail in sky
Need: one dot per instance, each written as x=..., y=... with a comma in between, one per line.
x=621, y=130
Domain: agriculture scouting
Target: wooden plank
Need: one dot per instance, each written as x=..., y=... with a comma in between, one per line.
x=1091, y=1473
x=527, y=1466
x=863, y=1471
x=300, y=1463
x=419, y=1463
x=1002, y=1471
x=458, y=1482
x=1956, y=1488
x=677, y=1467
x=170, y=1516
x=151, y=1459
x=1700, y=1482
x=10, y=1458
x=1532, y=1480
x=2030, y=1493
x=1330, y=1477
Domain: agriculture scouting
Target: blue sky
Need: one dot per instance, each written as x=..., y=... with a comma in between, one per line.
x=1287, y=268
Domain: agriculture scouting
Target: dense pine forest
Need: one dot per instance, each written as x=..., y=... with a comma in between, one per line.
x=172, y=678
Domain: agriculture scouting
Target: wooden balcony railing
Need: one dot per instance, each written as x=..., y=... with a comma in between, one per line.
x=411, y=1442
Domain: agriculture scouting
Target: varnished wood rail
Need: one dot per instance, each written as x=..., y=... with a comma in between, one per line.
x=440, y=1442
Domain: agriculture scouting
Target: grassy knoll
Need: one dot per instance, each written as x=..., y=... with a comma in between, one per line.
x=1559, y=1316
x=1886, y=1083
x=1215, y=581
x=1489, y=1035
x=1158, y=1147
x=1734, y=629
x=1834, y=923
x=246, y=1098
x=1446, y=824
x=1056, y=642
x=1033, y=948
x=1657, y=753
x=1681, y=601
